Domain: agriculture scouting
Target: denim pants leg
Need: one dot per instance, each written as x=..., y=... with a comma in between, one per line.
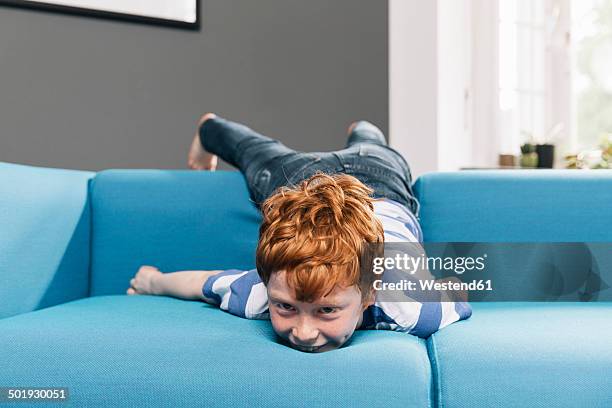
x=370, y=159
x=250, y=152
x=267, y=164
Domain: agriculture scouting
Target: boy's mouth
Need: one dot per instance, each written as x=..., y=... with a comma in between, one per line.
x=308, y=349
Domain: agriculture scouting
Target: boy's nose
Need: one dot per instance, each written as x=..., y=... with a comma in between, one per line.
x=305, y=335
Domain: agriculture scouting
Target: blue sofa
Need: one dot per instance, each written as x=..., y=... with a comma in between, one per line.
x=71, y=240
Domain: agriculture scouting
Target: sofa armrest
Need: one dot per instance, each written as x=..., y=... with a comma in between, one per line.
x=44, y=237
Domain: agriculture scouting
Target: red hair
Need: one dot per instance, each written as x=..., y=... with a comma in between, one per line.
x=316, y=233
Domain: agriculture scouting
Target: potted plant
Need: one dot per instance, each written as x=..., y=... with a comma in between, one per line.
x=544, y=146
x=529, y=157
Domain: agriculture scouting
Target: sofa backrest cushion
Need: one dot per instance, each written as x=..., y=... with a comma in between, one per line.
x=516, y=206
x=171, y=219
x=44, y=237
x=547, y=207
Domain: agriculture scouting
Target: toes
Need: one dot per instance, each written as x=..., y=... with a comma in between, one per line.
x=193, y=165
x=209, y=115
x=205, y=117
x=203, y=164
x=131, y=291
x=351, y=127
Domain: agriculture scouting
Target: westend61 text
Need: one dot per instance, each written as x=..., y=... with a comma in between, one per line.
x=433, y=285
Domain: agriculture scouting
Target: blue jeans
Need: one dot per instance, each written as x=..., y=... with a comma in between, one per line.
x=267, y=164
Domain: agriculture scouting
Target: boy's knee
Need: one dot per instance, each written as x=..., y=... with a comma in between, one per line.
x=366, y=132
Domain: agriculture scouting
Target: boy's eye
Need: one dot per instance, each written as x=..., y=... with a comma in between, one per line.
x=285, y=306
x=327, y=310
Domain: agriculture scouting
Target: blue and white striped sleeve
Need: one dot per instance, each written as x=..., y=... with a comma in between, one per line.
x=241, y=293
x=420, y=313
x=434, y=316
x=417, y=312
x=419, y=319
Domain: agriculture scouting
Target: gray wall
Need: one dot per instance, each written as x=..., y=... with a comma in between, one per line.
x=83, y=93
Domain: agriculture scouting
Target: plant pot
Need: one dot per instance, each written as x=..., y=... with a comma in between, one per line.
x=529, y=159
x=546, y=155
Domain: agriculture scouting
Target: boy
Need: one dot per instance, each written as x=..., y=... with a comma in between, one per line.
x=318, y=215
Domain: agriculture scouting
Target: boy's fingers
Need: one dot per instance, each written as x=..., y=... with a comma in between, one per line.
x=132, y=282
x=131, y=291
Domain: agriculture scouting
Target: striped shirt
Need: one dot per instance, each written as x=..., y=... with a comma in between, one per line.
x=243, y=294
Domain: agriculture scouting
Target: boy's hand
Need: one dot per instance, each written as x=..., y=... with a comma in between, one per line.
x=144, y=281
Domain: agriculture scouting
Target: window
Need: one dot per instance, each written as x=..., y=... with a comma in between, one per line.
x=522, y=91
x=533, y=90
x=554, y=71
x=592, y=72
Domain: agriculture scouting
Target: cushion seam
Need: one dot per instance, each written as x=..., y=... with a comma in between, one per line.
x=90, y=188
x=435, y=375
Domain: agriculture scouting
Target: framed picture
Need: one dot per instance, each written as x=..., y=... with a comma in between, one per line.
x=174, y=13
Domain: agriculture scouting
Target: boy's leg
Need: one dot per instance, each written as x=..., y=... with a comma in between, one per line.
x=268, y=164
x=237, y=144
x=255, y=155
x=368, y=157
x=365, y=132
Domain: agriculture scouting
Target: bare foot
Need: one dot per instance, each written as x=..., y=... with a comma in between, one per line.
x=198, y=158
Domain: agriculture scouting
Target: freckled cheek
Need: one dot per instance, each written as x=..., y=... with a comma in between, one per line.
x=281, y=325
x=338, y=329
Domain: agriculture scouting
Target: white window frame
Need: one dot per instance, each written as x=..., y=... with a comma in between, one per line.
x=556, y=89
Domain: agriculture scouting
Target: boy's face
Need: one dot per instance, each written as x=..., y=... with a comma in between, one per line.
x=322, y=325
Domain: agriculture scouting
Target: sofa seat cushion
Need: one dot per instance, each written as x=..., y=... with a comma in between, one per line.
x=518, y=354
x=145, y=351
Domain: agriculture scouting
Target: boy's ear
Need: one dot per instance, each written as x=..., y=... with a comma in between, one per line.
x=370, y=299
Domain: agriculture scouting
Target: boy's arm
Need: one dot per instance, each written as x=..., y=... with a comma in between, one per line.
x=418, y=311
x=239, y=292
x=183, y=285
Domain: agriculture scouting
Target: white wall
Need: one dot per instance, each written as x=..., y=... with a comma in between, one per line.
x=413, y=82
x=430, y=83
x=454, y=109
x=485, y=138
